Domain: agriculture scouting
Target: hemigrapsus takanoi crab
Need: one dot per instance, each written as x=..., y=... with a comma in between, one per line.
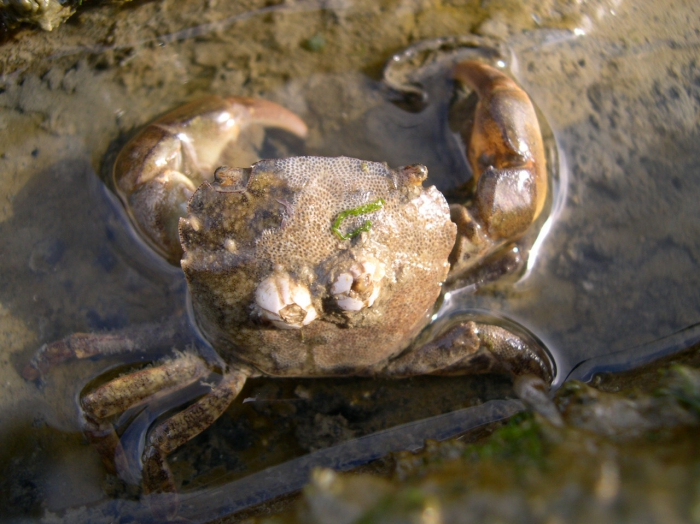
x=311, y=266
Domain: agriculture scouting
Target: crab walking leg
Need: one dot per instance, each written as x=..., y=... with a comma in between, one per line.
x=471, y=348
x=87, y=345
x=183, y=426
x=157, y=171
x=105, y=441
x=125, y=392
x=506, y=152
x=131, y=390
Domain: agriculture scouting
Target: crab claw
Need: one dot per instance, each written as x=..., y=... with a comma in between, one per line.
x=505, y=150
x=157, y=171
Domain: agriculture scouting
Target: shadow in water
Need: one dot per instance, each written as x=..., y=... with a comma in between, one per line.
x=71, y=264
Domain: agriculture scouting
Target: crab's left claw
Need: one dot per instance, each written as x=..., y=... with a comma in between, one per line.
x=270, y=115
x=505, y=150
x=159, y=169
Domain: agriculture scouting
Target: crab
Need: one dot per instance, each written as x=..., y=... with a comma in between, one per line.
x=310, y=266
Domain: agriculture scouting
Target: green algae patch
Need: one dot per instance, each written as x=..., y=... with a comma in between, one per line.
x=520, y=439
x=364, y=209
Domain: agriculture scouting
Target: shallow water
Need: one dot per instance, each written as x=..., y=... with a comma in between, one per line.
x=615, y=276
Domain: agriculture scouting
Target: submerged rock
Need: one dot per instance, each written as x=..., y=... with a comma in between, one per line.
x=628, y=452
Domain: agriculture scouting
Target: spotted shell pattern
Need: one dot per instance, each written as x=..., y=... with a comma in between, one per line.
x=262, y=235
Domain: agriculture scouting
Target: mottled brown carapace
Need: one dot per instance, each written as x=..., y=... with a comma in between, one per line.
x=277, y=227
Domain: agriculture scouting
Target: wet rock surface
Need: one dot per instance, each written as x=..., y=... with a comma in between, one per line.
x=628, y=452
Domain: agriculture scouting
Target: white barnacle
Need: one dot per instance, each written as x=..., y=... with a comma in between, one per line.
x=359, y=286
x=230, y=245
x=284, y=302
x=342, y=284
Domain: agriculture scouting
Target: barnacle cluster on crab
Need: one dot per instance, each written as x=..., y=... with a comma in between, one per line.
x=286, y=303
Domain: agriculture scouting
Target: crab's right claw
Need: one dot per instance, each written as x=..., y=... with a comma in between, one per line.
x=506, y=152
